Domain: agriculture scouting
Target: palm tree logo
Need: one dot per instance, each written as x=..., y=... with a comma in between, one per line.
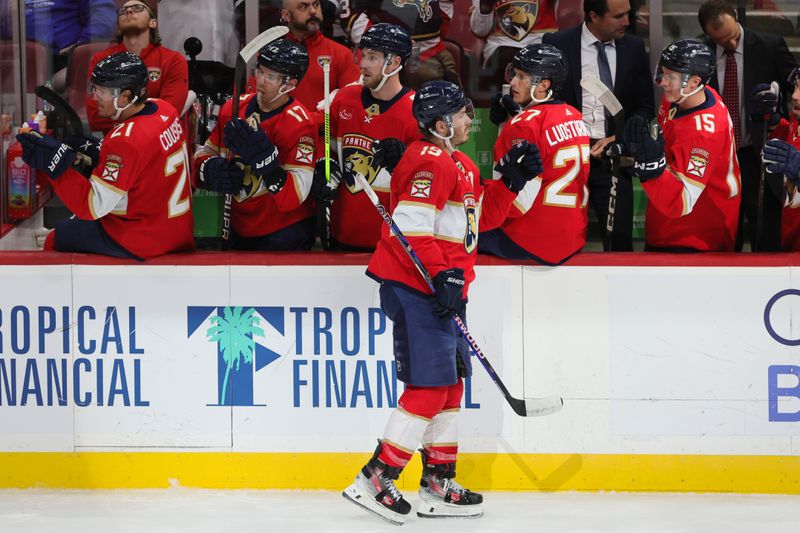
x=234, y=331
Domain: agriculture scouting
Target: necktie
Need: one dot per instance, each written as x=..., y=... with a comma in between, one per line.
x=605, y=77
x=730, y=94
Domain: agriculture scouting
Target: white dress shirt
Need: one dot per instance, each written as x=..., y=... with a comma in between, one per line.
x=593, y=111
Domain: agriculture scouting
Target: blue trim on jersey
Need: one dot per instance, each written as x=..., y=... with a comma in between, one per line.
x=710, y=101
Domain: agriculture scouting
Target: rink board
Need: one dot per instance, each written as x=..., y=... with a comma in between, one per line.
x=677, y=374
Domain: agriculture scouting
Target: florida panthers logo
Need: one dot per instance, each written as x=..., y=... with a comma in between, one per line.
x=423, y=6
x=517, y=17
x=358, y=157
x=471, y=234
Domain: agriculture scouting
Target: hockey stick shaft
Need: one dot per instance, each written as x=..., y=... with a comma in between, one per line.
x=523, y=407
x=324, y=207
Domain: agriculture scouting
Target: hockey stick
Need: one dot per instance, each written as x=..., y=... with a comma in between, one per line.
x=523, y=407
x=762, y=175
x=324, y=207
x=599, y=90
x=244, y=57
x=74, y=126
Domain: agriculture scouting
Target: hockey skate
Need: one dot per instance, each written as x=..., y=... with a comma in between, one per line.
x=440, y=496
x=374, y=490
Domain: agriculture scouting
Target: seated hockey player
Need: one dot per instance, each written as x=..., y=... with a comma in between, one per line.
x=782, y=156
x=549, y=218
x=137, y=202
x=380, y=110
x=273, y=142
x=438, y=202
x=690, y=173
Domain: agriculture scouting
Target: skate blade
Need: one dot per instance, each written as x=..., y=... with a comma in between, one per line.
x=429, y=509
x=355, y=496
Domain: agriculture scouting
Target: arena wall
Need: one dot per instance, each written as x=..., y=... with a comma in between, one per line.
x=678, y=373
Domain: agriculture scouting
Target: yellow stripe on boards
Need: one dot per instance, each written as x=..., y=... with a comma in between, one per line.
x=500, y=472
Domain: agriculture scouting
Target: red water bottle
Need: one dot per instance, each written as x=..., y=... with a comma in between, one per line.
x=21, y=182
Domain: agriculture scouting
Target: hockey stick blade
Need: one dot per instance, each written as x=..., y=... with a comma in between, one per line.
x=598, y=89
x=261, y=40
x=524, y=407
x=536, y=406
x=54, y=99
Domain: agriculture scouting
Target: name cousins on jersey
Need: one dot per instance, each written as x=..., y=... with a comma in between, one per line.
x=35, y=368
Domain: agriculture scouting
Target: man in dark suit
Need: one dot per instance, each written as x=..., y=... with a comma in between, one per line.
x=748, y=58
x=600, y=47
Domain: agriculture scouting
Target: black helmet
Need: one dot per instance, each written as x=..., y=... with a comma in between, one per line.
x=542, y=61
x=690, y=57
x=437, y=99
x=389, y=39
x=794, y=77
x=123, y=70
x=287, y=57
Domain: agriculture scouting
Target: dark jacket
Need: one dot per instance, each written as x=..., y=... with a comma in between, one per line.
x=766, y=59
x=633, y=82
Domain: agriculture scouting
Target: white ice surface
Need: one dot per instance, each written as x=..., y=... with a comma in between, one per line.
x=200, y=511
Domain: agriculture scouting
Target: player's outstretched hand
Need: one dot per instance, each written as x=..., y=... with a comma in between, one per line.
x=45, y=153
x=648, y=153
x=220, y=175
x=323, y=190
x=763, y=102
x=87, y=145
x=387, y=153
x=782, y=158
x=521, y=164
x=448, y=286
x=252, y=146
x=503, y=106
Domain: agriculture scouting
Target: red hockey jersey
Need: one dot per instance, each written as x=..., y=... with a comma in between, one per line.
x=437, y=202
x=168, y=79
x=695, y=202
x=790, y=218
x=550, y=215
x=140, y=191
x=356, y=121
x=255, y=212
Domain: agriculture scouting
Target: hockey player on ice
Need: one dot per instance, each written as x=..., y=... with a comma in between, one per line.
x=437, y=201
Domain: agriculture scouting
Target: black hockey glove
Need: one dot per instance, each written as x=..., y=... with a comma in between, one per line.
x=252, y=146
x=42, y=152
x=648, y=153
x=321, y=189
x=387, y=153
x=87, y=145
x=763, y=102
x=782, y=158
x=275, y=180
x=220, y=175
x=520, y=165
x=448, y=286
x=503, y=106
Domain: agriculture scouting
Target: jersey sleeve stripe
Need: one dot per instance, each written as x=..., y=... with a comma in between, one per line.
x=414, y=218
